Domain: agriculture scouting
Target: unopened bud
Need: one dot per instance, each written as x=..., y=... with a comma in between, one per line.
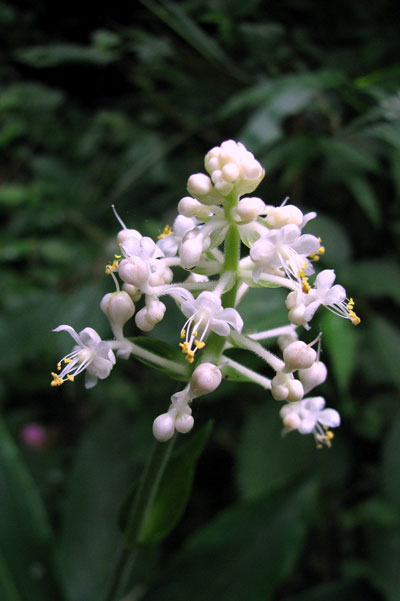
x=134, y=271
x=133, y=291
x=191, y=249
x=313, y=376
x=164, y=427
x=199, y=184
x=250, y=208
x=298, y=355
x=189, y=206
x=291, y=421
x=184, y=423
x=124, y=234
x=280, y=216
x=205, y=378
x=118, y=306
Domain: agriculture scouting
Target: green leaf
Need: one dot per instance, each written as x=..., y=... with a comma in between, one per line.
x=364, y=194
x=174, y=490
x=340, y=339
x=243, y=554
x=386, y=341
x=160, y=355
x=391, y=464
x=25, y=532
x=373, y=278
x=108, y=460
x=347, y=157
x=54, y=55
x=265, y=458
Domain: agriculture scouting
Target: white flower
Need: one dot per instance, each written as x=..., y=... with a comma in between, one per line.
x=90, y=353
x=205, y=314
x=331, y=296
x=309, y=416
x=284, y=248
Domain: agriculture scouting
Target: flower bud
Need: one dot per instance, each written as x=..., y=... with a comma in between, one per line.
x=286, y=339
x=249, y=209
x=298, y=355
x=280, y=216
x=124, y=234
x=205, y=378
x=134, y=271
x=164, y=427
x=199, y=184
x=191, y=250
x=142, y=321
x=133, y=291
x=118, y=306
x=295, y=391
x=291, y=421
x=184, y=423
x=189, y=206
x=297, y=315
x=155, y=310
x=313, y=376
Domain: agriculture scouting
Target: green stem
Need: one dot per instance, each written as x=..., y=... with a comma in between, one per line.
x=148, y=487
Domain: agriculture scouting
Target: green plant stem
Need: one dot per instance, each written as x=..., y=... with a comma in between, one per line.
x=144, y=498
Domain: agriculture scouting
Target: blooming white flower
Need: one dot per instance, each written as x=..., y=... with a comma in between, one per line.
x=309, y=416
x=331, y=296
x=90, y=353
x=285, y=248
x=205, y=314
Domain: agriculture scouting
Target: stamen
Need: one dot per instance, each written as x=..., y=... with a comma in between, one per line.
x=112, y=267
x=167, y=231
x=56, y=381
x=352, y=314
x=304, y=279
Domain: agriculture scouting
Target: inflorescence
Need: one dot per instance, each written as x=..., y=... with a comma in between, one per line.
x=214, y=223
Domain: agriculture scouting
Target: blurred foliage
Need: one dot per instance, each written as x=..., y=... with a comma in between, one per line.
x=118, y=105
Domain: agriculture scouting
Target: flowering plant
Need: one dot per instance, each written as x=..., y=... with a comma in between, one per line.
x=214, y=223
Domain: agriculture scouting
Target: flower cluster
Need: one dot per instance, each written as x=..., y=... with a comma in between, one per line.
x=212, y=226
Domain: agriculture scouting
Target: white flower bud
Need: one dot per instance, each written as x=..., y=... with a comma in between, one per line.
x=155, y=311
x=205, y=378
x=286, y=339
x=189, y=206
x=298, y=355
x=161, y=276
x=199, y=184
x=142, y=321
x=296, y=315
x=313, y=376
x=280, y=216
x=191, y=249
x=249, y=208
x=118, y=306
x=230, y=172
x=291, y=421
x=197, y=277
x=134, y=271
x=124, y=234
x=285, y=387
x=184, y=423
x=295, y=391
x=133, y=291
x=164, y=427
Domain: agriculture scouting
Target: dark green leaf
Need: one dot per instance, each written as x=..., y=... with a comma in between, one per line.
x=340, y=339
x=174, y=490
x=245, y=553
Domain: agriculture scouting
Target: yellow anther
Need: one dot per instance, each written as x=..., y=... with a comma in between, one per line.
x=199, y=344
x=56, y=381
x=117, y=256
x=321, y=250
x=70, y=377
x=352, y=314
x=112, y=267
x=329, y=435
x=183, y=334
x=190, y=356
x=67, y=360
x=167, y=231
x=59, y=366
x=195, y=333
